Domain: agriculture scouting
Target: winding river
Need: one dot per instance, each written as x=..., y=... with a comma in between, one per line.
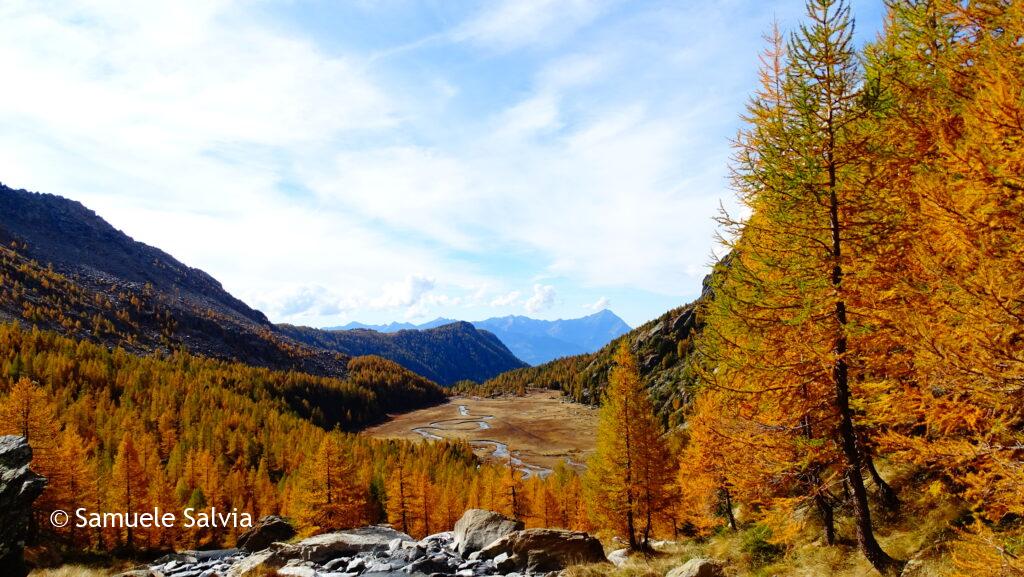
x=495, y=449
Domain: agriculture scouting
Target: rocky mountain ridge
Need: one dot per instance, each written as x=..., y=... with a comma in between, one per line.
x=445, y=354
x=532, y=340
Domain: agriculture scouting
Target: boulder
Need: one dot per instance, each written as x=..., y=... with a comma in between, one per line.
x=699, y=567
x=19, y=487
x=261, y=563
x=267, y=530
x=618, y=557
x=340, y=544
x=541, y=550
x=478, y=528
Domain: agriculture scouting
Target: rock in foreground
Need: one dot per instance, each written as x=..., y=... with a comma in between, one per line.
x=541, y=550
x=18, y=488
x=699, y=568
x=479, y=528
x=380, y=551
x=269, y=529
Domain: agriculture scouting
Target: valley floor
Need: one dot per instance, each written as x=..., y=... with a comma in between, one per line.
x=540, y=429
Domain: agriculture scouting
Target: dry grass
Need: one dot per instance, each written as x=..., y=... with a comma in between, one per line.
x=921, y=532
x=541, y=428
x=73, y=571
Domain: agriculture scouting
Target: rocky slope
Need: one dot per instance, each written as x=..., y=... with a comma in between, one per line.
x=532, y=340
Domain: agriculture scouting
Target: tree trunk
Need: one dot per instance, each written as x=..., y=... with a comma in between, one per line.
x=728, y=509
x=890, y=500
x=828, y=517
x=874, y=553
x=630, y=529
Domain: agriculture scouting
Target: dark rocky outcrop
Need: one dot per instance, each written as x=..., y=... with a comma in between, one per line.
x=541, y=550
x=478, y=528
x=19, y=487
x=267, y=530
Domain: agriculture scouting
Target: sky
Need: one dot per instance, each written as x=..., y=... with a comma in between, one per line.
x=397, y=160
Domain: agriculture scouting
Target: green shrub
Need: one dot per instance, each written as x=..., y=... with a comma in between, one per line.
x=755, y=542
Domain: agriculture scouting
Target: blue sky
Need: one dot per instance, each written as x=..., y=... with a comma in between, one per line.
x=395, y=160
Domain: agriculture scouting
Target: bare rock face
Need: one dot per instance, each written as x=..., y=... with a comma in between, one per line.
x=19, y=487
x=542, y=550
x=267, y=530
x=478, y=528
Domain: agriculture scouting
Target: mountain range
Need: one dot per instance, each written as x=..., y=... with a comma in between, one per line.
x=663, y=347
x=64, y=268
x=532, y=340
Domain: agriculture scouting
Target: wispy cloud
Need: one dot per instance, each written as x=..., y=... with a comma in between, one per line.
x=518, y=23
x=543, y=298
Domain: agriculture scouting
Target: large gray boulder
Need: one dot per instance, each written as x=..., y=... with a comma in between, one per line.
x=269, y=529
x=478, y=528
x=542, y=550
x=699, y=567
x=339, y=544
x=19, y=487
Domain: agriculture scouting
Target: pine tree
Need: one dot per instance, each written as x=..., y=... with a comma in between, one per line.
x=328, y=497
x=781, y=332
x=953, y=74
x=79, y=482
x=399, y=490
x=629, y=476
x=128, y=487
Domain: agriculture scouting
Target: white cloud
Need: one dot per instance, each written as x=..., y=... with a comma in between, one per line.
x=512, y=24
x=599, y=305
x=505, y=300
x=543, y=298
x=407, y=293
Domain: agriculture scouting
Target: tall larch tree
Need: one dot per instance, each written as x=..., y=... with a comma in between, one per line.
x=782, y=334
x=952, y=74
x=328, y=497
x=79, y=483
x=630, y=474
x=128, y=489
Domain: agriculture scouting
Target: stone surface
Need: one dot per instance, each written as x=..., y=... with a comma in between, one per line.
x=268, y=530
x=380, y=551
x=699, y=567
x=540, y=550
x=19, y=487
x=342, y=543
x=618, y=557
x=255, y=564
x=478, y=528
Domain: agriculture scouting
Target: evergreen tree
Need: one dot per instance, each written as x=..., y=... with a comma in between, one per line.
x=629, y=476
x=781, y=334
